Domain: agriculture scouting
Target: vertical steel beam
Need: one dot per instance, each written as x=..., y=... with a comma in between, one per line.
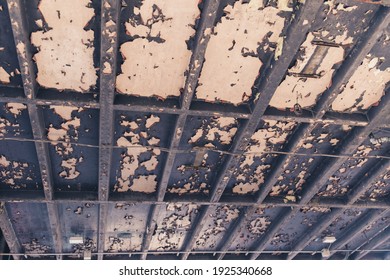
x=9, y=233
x=110, y=11
x=23, y=48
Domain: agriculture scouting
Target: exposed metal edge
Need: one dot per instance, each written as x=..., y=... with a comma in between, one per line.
x=317, y=202
x=110, y=10
x=9, y=233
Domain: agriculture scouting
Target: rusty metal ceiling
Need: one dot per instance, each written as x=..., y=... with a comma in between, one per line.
x=215, y=129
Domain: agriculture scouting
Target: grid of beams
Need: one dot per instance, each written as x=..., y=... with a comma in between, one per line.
x=363, y=126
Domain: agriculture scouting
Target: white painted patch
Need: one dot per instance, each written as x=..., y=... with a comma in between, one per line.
x=16, y=108
x=155, y=62
x=364, y=89
x=65, y=56
x=306, y=91
x=228, y=73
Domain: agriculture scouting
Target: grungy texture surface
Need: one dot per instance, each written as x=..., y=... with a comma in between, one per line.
x=172, y=226
x=158, y=53
x=65, y=51
x=297, y=89
x=61, y=138
x=220, y=130
x=138, y=163
x=251, y=174
x=231, y=61
x=365, y=88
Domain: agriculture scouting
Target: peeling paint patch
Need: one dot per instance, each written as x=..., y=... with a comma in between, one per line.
x=159, y=51
x=16, y=108
x=88, y=245
x=274, y=132
x=380, y=189
x=218, y=131
x=65, y=51
x=34, y=247
x=255, y=181
x=309, y=77
x=365, y=88
x=233, y=47
x=68, y=130
x=170, y=232
x=221, y=219
x=259, y=225
x=4, y=76
x=138, y=163
x=13, y=173
x=253, y=167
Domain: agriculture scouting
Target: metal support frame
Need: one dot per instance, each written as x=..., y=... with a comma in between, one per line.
x=330, y=166
x=110, y=10
x=324, y=172
x=9, y=233
x=296, y=34
x=21, y=37
x=357, y=228
x=372, y=244
x=358, y=190
x=208, y=18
